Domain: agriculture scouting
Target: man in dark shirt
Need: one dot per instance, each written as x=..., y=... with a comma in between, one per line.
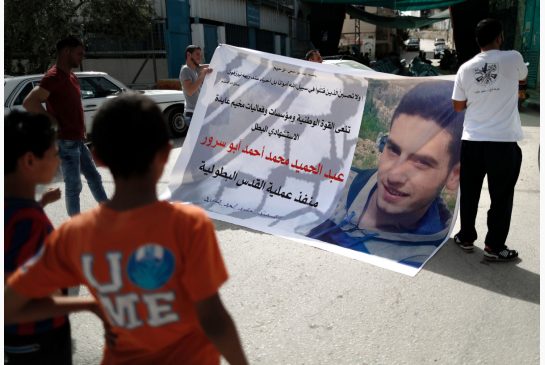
x=60, y=91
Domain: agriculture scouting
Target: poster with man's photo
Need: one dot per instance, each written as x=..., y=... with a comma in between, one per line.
x=359, y=163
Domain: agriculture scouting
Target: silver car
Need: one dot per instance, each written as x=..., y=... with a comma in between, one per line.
x=96, y=88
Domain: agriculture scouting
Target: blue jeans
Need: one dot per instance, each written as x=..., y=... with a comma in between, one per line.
x=76, y=159
x=187, y=117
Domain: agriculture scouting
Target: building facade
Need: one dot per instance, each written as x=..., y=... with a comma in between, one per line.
x=265, y=25
x=261, y=25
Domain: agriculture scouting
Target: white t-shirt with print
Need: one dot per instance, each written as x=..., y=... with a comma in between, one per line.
x=489, y=83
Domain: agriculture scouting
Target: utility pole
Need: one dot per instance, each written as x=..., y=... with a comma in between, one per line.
x=357, y=35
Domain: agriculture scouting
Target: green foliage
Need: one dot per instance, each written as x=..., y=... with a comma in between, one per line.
x=371, y=126
x=121, y=18
x=32, y=27
x=449, y=198
x=366, y=160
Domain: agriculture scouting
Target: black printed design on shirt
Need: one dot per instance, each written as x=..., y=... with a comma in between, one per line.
x=487, y=74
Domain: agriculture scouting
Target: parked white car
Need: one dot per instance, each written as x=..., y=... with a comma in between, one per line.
x=96, y=88
x=439, y=41
x=348, y=63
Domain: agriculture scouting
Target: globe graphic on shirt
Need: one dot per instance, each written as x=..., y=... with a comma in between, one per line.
x=150, y=266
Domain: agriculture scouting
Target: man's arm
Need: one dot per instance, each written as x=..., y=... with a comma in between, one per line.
x=191, y=87
x=220, y=329
x=34, y=99
x=19, y=308
x=459, y=105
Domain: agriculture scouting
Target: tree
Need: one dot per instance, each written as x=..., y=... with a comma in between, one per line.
x=32, y=27
x=121, y=18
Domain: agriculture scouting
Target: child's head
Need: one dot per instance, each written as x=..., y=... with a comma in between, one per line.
x=127, y=134
x=30, y=146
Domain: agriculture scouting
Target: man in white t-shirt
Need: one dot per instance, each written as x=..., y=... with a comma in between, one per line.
x=487, y=87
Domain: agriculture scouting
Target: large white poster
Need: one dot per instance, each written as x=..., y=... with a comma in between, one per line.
x=284, y=146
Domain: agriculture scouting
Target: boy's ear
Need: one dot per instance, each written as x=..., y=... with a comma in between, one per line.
x=160, y=160
x=26, y=161
x=97, y=159
x=164, y=153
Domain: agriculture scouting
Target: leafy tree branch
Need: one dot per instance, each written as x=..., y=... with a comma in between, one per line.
x=31, y=34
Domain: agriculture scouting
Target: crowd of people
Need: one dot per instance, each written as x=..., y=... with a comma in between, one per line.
x=159, y=301
x=157, y=290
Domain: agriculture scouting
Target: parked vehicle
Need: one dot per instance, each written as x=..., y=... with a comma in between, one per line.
x=96, y=88
x=413, y=44
x=439, y=41
x=343, y=58
x=348, y=62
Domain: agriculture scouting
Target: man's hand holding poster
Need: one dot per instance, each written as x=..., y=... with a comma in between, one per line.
x=355, y=162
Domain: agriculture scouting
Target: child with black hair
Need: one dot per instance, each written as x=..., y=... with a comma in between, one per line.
x=155, y=267
x=31, y=158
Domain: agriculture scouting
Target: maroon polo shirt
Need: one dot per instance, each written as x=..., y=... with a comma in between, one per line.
x=64, y=103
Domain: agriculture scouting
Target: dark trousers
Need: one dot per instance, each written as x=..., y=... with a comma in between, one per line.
x=50, y=348
x=500, y=161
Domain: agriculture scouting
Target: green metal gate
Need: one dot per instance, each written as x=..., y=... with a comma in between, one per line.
x=530, y=40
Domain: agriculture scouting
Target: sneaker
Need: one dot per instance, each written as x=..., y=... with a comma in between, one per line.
x=504, y=254
x=466, y=246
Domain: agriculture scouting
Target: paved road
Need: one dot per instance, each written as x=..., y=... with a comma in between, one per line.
x=295, y=304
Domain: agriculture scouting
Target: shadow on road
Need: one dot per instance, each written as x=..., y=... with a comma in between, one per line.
x=505, y=278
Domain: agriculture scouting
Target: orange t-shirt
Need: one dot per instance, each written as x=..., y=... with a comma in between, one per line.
x=146, y=267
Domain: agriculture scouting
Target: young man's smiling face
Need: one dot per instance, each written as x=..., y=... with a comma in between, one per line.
x=414, y=167
x=196, y=57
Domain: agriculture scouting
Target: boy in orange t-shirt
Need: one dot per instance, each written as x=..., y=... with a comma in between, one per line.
x=154, y=267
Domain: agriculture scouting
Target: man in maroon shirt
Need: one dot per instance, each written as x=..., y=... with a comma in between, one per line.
x=60, y=91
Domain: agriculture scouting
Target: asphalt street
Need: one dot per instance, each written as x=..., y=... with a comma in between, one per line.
x=295, y=304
